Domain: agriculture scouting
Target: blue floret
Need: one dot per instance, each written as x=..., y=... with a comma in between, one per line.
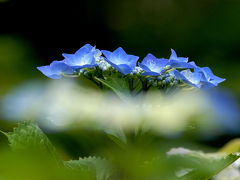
x=83, y=58
x=120, y=60
x=152, y=65
x=56, y=70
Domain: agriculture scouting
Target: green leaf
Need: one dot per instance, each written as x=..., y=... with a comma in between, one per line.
x=100, y=166
x=137, y=85
x=121, y=141
x=231, y=147
x=27, y=165
x=118, y=85
x=202, y=165
x=28, y=136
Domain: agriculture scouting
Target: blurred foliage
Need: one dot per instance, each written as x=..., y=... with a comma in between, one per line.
x=17, y=61
x=33, y=157
x=232, y=146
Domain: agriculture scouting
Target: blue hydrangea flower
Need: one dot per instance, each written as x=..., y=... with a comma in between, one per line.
x=56, y=70
x=83, y=58
x=152, y=65
x=120, y=60
x=209, y=77
x=189, y=77
x=179, y=62
x=200, y=78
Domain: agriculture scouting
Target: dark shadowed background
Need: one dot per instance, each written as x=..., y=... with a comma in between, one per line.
x=34, y=33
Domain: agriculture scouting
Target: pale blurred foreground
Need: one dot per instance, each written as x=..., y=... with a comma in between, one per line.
x=64, y=104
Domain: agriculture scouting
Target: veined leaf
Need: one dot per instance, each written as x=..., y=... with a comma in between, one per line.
x=203, y=165
x=28, y=136
x=98, y=165
x=120, y=141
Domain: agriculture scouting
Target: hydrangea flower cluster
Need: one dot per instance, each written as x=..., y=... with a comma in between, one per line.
x=156, y=72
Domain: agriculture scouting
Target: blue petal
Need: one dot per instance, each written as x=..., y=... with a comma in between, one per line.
x=148, y=58
x=89, y=49
x=79, y=59
x=193, y=64
x=119, y=56
x=86, y=47
x=59, y=67
x=180, y=76
x=153, y=66
x=119, y=52
x=67, y=56
x=163, y=62
x=183, y=59
x=113, y=58
x=174, y=57
x=109, y=60
x=210, y=77
x=120, y=60
x=179, y=64
x=192, y=80
x=149, y=72
x=123, y=68
x=132, y=61
x=47, y=72
x=107, y=54
x=207, y=72
x=84, y=56
x=218, y=80
x=145, y=68
x=194, y=77
x=173, y=54
x=84, y=66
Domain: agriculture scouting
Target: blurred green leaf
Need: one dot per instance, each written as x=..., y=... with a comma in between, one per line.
x=231, y=147
x=201, y=165
x=28, y=136
x=100, y=166
x=29, y=166
x=120, y=140
x=118, y=85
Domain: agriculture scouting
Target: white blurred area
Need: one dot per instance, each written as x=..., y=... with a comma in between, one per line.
x=64, y=104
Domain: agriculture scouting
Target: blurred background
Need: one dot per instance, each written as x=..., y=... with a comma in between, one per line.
x=34, y=33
